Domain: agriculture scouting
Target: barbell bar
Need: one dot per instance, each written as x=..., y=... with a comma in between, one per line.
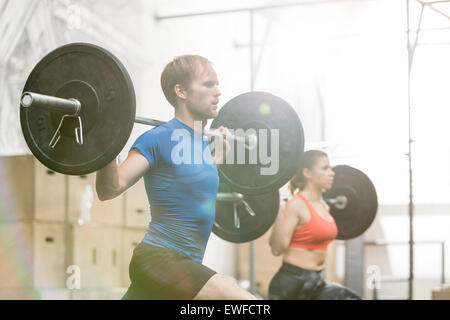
x=72, y=107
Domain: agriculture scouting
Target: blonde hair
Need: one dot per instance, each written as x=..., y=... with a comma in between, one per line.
x=181, y=70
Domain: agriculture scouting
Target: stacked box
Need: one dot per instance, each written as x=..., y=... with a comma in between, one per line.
x=131, y=238
x=266, y=264
x=32, y=254
x=137, y=218
x=441, y=293
x=137, y=209
x=53, y=229
x=96, y=252
x=82, y=196
x=32, y=226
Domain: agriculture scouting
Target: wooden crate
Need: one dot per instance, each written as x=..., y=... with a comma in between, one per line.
x=137, y=208
x=30, y=190
x=97, y=251
x=16, y=193
x=442, y=293
x=49, y=243
x=19, y=293
x=105, y=213
x=16, y=254
x=54, y=293
x=49, y=194
x=266, y=264
x=131, y=238
x=98, y=294
x=32, y=254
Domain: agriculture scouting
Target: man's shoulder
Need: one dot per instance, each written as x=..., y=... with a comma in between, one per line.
x=156, y=132
x=165, y=129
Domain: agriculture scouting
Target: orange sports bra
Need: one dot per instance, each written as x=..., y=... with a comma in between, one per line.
x=316, y=234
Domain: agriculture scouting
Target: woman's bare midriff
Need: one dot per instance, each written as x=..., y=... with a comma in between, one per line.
x=305, y=258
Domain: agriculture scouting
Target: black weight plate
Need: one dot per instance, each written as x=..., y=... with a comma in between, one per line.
x=261, y=110
x=265, y=207
x=362, y=201
x=101, y=83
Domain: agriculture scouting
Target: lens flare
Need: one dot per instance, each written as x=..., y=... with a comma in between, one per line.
x=265, y=109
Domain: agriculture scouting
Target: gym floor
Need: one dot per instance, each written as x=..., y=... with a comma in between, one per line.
x=368, y=79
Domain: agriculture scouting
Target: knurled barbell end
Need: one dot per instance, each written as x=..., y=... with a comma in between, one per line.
x=26, y=100
x=78, y=106
x=233, y=197
x=339, y=202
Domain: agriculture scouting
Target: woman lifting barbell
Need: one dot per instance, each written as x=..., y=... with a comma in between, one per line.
x=302, y=231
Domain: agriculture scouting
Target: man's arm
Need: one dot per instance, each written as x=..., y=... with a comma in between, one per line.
x=221, y=145
x=112, y=180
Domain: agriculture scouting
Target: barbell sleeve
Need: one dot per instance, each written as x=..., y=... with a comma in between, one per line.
x=340, y=202
x=73, y=107
x=36, y=100
x=233, y=197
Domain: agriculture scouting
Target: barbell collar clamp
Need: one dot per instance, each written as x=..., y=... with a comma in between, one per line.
x=78, y=132
x=237, y=222
x=248, y=208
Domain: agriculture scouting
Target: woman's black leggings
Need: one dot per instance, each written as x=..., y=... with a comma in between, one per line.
x=294, y=283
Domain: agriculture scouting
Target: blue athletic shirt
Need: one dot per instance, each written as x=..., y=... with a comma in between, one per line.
x=181, y=186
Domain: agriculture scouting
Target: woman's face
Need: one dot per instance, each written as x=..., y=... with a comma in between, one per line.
x=321, y=174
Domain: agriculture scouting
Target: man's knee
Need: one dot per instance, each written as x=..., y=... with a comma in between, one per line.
x=220, y=287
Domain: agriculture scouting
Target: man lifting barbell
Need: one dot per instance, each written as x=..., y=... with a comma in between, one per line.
x=167, y=263
x=77, y=112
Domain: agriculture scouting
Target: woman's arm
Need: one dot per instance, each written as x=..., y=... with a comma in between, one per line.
x=288, y=219
x=112, y=180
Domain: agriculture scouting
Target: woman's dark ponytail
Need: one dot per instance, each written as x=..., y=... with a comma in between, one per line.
x=308, y=161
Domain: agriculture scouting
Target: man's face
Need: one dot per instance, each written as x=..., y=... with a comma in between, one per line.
x=203, y=93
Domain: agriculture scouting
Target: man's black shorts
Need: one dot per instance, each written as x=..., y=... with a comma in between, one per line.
x=160, y=273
